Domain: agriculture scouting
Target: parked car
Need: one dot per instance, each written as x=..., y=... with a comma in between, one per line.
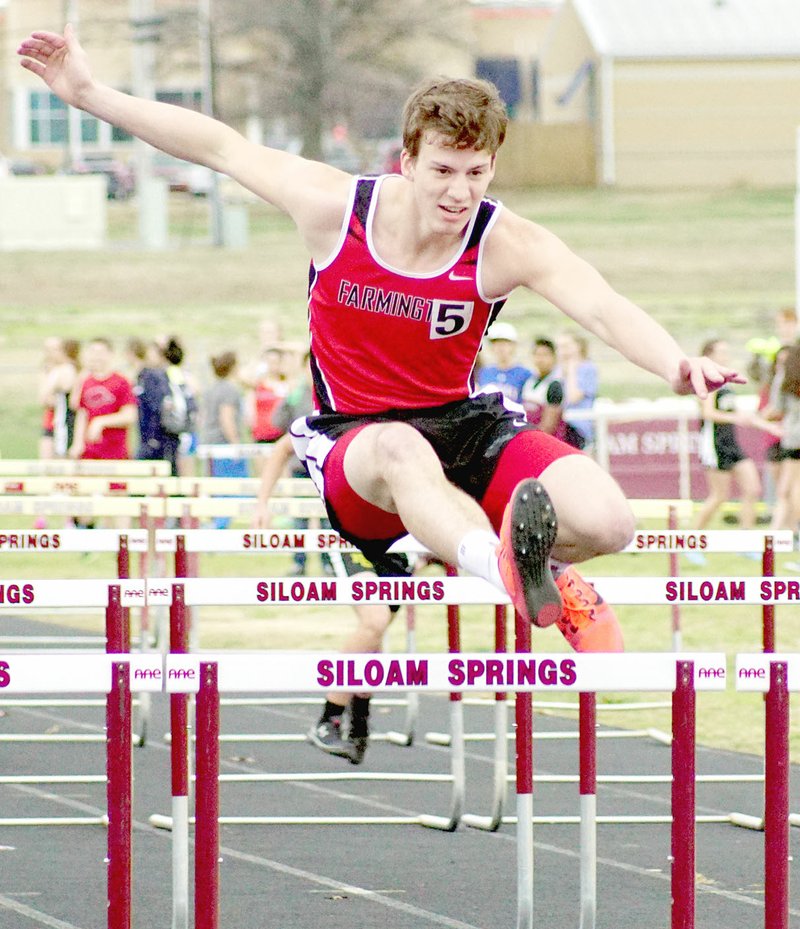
x=20, y=168
x=183, y=175
x=119, y=176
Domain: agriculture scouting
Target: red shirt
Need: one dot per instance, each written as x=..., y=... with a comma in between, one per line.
x=266, y=400
x=99, y=397
x=383, y=339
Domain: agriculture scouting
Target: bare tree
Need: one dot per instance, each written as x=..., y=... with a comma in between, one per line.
x=316, y=63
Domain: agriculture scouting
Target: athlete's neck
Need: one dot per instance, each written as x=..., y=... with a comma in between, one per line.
x=404, y=238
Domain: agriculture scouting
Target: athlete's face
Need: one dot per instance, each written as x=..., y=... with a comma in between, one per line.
x=449, y=183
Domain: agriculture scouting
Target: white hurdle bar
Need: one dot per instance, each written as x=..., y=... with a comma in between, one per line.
x=116, y=675
x=288, y=672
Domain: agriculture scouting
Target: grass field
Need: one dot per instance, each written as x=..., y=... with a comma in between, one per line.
x=703, y=263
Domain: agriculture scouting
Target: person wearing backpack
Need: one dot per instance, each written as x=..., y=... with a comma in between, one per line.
x=180, y=411
x=153, y=393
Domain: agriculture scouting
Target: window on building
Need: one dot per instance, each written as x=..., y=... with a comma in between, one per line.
x=504, y=74
x=48, y=119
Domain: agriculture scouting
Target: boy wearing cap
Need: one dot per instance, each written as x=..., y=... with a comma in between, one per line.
x=504, y=375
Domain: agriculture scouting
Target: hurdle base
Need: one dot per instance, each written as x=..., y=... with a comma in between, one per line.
x=442, y=823
x=159, y=821
x=746, y=821
x=484, y=823
x=399, y=738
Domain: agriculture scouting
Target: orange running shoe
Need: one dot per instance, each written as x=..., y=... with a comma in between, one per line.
x=587, y=622
x=527, y=534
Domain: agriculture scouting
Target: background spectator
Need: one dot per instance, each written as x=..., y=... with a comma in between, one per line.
x=181, y=380
x=152, y=388
x=581, y=381
x=720, y=452
x=222, y=422
x=60, y=376
x=106, y=407
x=543, y=392
x=504, y=375
x=268, y=391
x=786, y=402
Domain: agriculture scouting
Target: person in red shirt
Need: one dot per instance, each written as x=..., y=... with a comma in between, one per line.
x=106, y=407
x=408, y=271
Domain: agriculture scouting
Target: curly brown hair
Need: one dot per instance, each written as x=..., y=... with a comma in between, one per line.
x=465, y=113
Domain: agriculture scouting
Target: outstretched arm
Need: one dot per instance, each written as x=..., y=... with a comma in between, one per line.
x=313, y=194
x=550, y=269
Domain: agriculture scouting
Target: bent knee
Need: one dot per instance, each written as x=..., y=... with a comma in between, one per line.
x=610, y=529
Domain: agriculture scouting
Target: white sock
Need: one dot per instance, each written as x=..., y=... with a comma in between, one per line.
x=477, y=554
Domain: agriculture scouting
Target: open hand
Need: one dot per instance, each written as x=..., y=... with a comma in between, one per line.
x=702, y=376
x=59, y=61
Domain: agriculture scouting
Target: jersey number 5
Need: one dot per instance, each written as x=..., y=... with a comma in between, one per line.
x=450, y=317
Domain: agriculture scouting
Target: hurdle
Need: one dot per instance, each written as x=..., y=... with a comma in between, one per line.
x=775, y=676
x=337, y=592
x=281, y=591
x=117, y=676
x=208, y=676
x=183, y=544
x=673, y=542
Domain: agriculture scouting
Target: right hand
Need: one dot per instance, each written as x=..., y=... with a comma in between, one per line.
x=59, y=61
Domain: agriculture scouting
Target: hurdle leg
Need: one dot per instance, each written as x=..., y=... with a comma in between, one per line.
x=491, y=823
x=747, y=820
x=776, y=809
x=206, y=843
x=179, y=751
x=683, y=797
x=457, y=762
x=523, y=710
x=587, y=723
x=119, y=794
x=406, y=736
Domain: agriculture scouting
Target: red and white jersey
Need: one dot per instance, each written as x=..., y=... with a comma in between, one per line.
x=386, y=339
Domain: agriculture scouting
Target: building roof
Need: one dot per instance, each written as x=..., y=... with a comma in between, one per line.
x=692, y=28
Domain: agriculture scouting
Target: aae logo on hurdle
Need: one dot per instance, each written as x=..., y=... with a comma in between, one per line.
x=445, y=673
x=76, y=672
x=753, y=671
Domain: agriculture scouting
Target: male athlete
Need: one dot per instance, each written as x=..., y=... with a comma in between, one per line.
x=408, y=271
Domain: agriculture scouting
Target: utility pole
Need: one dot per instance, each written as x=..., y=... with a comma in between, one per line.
x=74, y=151
x=150, y=191
x=206, y=39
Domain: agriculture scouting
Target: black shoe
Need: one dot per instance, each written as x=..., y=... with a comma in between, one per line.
x=327, y=737
x=358, y=748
